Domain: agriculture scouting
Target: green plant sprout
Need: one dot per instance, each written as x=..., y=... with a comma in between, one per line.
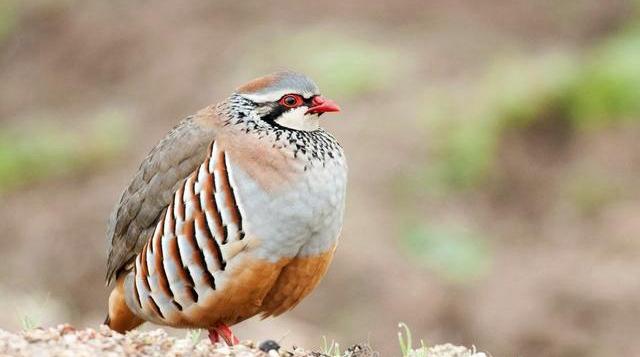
x=406, y=343
x=194, y=336
x=28, y=323
x=330, y=349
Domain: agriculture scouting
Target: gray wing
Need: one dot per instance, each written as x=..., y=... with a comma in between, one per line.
x=133, y=219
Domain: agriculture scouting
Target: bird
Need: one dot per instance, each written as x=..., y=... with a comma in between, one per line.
x=236, y=212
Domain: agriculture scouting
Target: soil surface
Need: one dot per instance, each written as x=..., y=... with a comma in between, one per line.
x=65, y=340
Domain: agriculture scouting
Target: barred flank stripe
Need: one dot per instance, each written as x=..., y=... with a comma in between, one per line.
x=211, y=207
x=225, y=186
x=229, y=195
x=189, y=233
x=168, y=223
x=177, y=305
x=211, y=153
x=195, y=199
x=193, y=294
x=173, y=253
x=135, y=283
x=212, y=245
x=144, y=269
x=190, y=285
x=180, y=203
x=223, y=263
x=155, y=307
x=163, y=282
x=225, y=234
x=157, y=232
x=199, y=217
x=187, y=197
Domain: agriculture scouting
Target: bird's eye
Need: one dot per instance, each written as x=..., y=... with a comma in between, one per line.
x=291, y=100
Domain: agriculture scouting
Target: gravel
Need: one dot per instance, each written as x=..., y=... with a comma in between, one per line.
x=65, y=340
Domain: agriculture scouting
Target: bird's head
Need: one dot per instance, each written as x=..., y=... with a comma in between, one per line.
x=287, y=99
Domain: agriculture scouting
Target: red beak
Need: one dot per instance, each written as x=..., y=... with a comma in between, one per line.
x=321, y=105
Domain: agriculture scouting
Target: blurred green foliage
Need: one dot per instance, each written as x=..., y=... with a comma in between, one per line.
x=8, y=18
x=602, y=88
x=467, y=129
x=591, y=192
x=343, y=66
x=599, y=89
x=11, y=12
x=455, y=253
x=608, y=86
x=32, y=153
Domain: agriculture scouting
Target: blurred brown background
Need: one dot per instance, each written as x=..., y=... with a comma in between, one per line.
x=494, y=153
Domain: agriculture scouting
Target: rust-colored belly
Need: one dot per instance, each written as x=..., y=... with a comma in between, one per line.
x=260, y=287
x=241, y=298
x=252, y=287
x=296, y=280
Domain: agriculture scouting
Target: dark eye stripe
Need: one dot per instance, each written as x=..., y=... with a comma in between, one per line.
x=278, y=109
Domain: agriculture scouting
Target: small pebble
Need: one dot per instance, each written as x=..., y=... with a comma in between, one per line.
x=269, y=345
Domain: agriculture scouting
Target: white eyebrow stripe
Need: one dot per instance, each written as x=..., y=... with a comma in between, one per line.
x=274, y=96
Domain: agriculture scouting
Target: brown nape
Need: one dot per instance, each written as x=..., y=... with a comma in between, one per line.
x=257, y=84
x=120, y=318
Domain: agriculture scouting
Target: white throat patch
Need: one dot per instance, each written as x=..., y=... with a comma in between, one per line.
x=298, y=120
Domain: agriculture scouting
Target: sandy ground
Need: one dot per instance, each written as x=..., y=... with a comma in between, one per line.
x=65, y=340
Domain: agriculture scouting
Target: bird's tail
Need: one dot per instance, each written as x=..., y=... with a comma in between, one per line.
x=120, y=318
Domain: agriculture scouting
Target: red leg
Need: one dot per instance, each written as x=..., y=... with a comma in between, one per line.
x=214, y=336
x=227, y=335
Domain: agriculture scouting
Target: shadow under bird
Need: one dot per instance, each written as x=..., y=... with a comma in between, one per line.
x=235, y=213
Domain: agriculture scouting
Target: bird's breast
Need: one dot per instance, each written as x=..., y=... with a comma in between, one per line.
x=300, y=214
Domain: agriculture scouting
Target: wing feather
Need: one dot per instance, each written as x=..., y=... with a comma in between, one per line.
x=169, y=163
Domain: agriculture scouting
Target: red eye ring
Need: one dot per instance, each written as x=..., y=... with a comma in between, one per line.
x=291, y=100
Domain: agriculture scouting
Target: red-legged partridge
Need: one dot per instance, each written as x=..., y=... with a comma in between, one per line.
x=236, y=212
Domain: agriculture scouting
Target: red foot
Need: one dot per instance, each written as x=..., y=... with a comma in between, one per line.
x=214, y=336
x=225, y=332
